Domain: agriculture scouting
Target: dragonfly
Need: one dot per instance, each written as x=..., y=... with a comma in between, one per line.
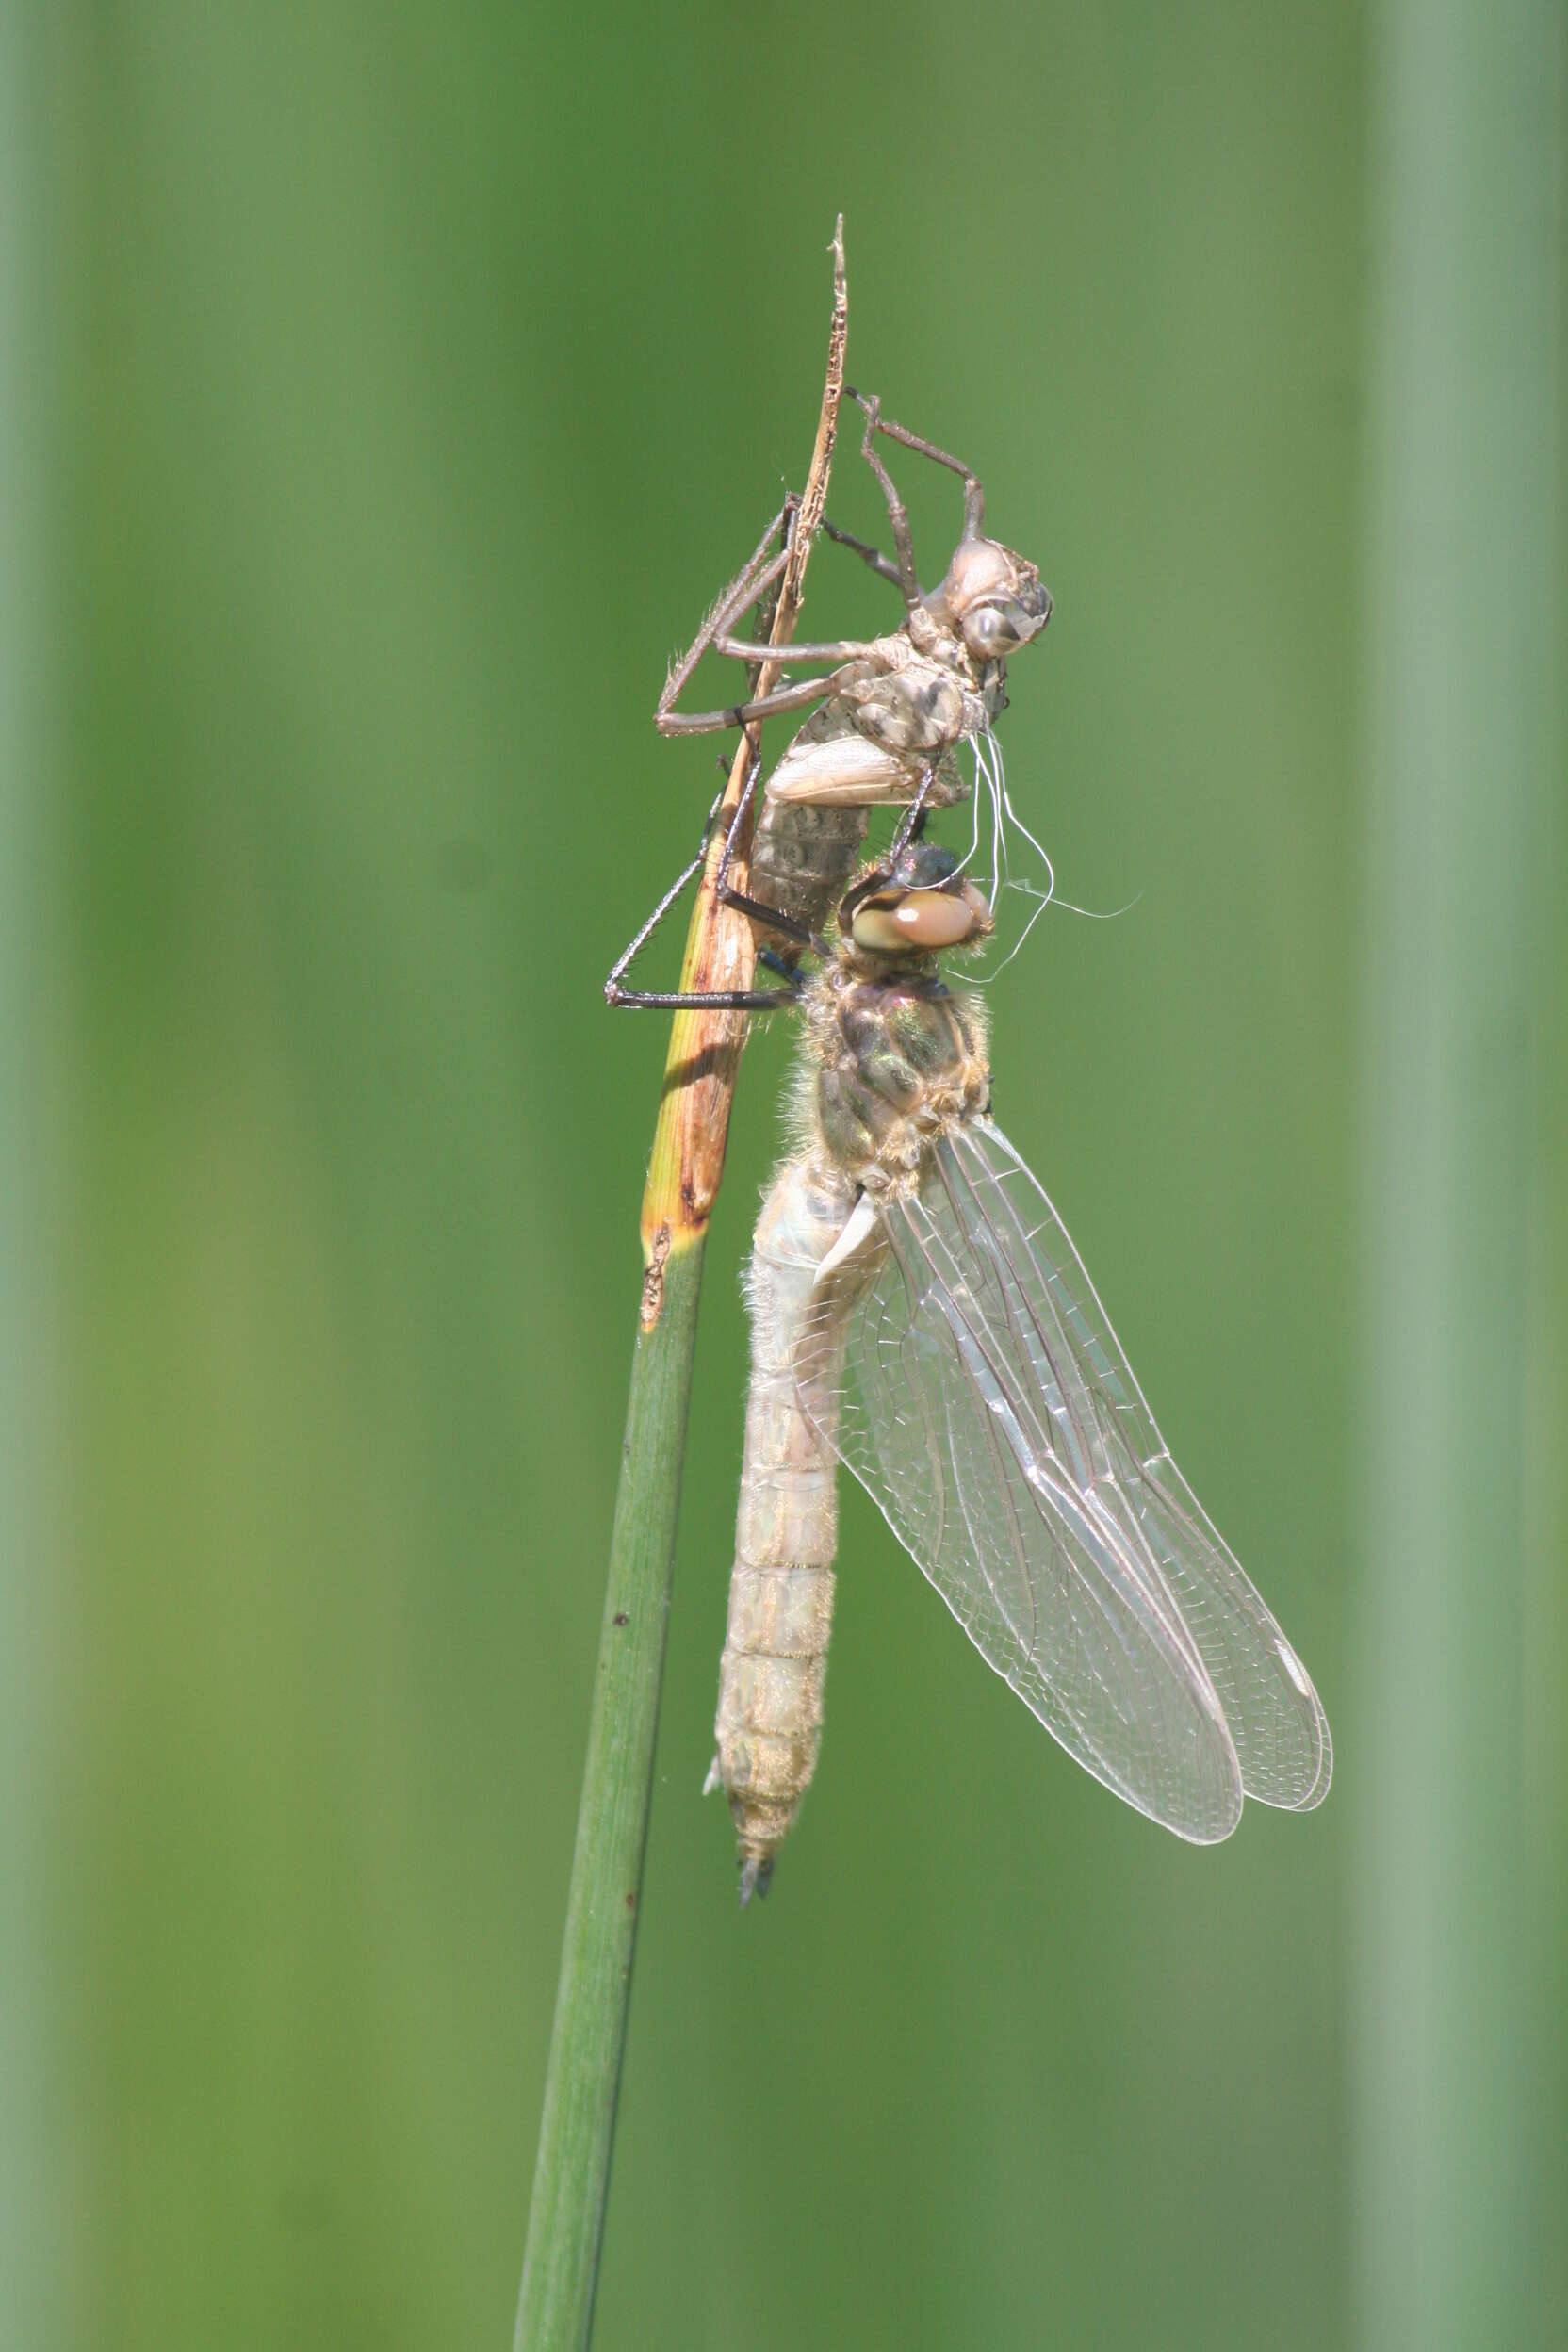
x=890, y=714
x=920, y=1316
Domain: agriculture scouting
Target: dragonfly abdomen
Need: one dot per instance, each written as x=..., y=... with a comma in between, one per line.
x=774, y=1662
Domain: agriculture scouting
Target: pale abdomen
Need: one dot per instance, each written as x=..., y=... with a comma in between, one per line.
x=782, y=1591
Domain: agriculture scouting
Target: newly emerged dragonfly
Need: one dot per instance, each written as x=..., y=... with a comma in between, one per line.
x=919, y=1313
x=891, y=712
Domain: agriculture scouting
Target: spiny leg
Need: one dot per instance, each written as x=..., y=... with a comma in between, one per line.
x=760, y=574
x=826, y=649
x=613, y=992
x=752, y=584
x=701, y=1000
x=772, y=706
x=735, y=1000
x=684, y=1000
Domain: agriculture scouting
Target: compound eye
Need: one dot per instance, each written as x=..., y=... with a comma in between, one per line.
x=914, y=923
x=990, y=634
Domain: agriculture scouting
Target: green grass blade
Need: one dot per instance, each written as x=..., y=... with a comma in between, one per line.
x=567, y=2215
x=577, y=2134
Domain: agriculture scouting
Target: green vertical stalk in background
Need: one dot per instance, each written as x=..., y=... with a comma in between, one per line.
x=33, y=2205
x=1465, y=547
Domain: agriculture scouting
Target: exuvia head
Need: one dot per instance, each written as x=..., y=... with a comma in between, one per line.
x=994, y=598
x=915, y=907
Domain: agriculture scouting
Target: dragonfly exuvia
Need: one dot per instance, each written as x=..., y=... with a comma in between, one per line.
x=885, y=725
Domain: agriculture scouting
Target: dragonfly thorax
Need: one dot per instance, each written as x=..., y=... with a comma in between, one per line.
x=895, y=1061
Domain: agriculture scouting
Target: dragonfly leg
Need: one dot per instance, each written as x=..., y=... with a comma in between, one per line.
x=974, y=496
x=834, y=649
x=758, y=909
x=613, y=992
x=904, y=546
x=912, y=824
x=774, y=917
x=759, y=572
x=873, y=556
x=701, y=1000
x=772, y=706
x=748, y=999
x=680, y=1000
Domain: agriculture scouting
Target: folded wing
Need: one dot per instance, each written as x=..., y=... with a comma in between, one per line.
x=985, y=1405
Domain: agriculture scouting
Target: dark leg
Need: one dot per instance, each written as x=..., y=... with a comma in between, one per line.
x=873, y=556
x=755, y=909
x=664, y=1000
x=695, y=1001
x=613, y=992
x=786, y=926
x=733, y=1000
x=912, y=822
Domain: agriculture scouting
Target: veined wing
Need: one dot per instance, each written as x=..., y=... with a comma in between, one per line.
x=988, y=1408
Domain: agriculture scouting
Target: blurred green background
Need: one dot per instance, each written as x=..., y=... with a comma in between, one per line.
x=391, y=391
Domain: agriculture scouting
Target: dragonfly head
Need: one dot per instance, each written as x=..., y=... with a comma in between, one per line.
x=915, y=907
x=995, y=598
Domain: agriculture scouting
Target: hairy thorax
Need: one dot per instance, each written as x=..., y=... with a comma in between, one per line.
x=897, y=1058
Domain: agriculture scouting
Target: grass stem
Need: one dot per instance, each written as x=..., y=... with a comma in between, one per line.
x=577, y=2131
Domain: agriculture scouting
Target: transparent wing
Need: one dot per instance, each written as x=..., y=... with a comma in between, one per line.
x=965, y=1370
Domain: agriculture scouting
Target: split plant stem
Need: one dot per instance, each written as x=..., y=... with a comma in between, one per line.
x=577, y=2131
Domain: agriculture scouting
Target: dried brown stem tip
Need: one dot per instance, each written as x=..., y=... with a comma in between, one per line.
x=705, y=1046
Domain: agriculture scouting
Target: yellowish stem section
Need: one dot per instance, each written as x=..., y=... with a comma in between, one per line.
x=704, y=1047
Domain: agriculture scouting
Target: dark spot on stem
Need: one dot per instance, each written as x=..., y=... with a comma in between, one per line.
x=619, y=1618
x=632, y=1900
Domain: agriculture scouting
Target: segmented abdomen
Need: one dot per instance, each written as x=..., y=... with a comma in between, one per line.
x=803, y=857
x=782, y=1591
x=815, y=809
